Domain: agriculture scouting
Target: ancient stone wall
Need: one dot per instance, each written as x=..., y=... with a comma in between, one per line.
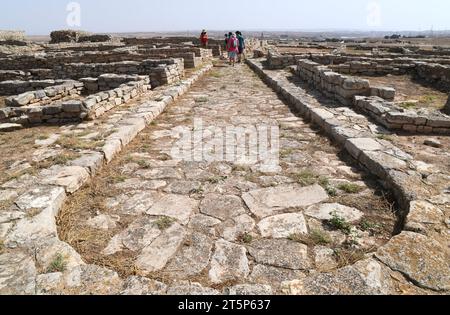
x=159, y=40
x=6, y=75
x=66, y=36
x=91, y=107
x=12, y=35
x=193, y=57
x=71, y=36
x=435, y=74
x=394, y=117
x=446, y=109
x=97, y=38
x=276, y=60
x=163, y=71
x=97, y=104
x=372, y=68
x=337, y=86
x=108, y=82
x=48, y=93
x=13, y=87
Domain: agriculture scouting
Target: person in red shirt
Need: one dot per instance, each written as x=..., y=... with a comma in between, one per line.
x=204, y=39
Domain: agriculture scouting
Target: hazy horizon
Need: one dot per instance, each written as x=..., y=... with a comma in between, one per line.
x=133, y=16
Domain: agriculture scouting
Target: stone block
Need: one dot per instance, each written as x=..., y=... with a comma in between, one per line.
x=357, y=145
x=72, y=107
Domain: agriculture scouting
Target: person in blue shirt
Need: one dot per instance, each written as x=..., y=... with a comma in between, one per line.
x=241, y=47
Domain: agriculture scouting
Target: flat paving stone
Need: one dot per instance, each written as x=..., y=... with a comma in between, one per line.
x=271, y=201
x=405, y=253
x=229, y=263
x=174, y=206
x=233, y=229
x=137, y=236
x=192, y=258
x=155, y=256
x=273, y=275
x=249, y=289
x=280, y=253
x=326, y=211
x=133, y=204
x=222, y=207
x=283, y=225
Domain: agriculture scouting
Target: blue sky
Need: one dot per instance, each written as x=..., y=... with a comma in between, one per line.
x=42, y=16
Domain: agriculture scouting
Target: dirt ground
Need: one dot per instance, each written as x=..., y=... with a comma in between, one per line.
x=410, y=93
x=17, y=150
x=414, y=145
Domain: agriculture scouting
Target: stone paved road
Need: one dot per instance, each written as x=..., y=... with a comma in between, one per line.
x=226, y=223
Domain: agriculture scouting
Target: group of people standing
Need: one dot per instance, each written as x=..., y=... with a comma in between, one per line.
x=234, y=45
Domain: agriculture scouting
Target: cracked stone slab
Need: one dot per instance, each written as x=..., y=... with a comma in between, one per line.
x=232, y=229
x=17, y=274
x=137, y=236
x=41, y=197
x=134, y=203
x=136, y=183
x=192, y=258
x=367, y=277
x=92, y=280
x=325, y=212
x=205, y=224
x=22, y=182
x=283, y=225
x=70, y=177
x=356, y=146
x=229, y=263
x=325, y=258
x=425, y=212
x=155, y=256
x=160, y=173
x=273, y=275
x=271, y=201
x=422, y=259
x=249, y=289
x=90, y=160
x=190, y=288
x=280, y=253
x=7, y=195
x=174, y=206
x=49, y=283
x=222, y=207
x=183, y=187
x=48, y=249
x=135, y=285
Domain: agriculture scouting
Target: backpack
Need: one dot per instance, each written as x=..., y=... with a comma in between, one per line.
x=233, y=42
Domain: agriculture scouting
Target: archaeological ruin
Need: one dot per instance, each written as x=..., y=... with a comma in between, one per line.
x=353, y=197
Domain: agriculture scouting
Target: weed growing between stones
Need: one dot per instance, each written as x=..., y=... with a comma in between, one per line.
x=58, y=264
x=202, y=99
x=164, y=223
x=246, y=238
x=60, y=159
x=315, y=237
x=217, y=179
x=305, y=178
x=73, y=142
x=351, y=188
x=339, y=223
